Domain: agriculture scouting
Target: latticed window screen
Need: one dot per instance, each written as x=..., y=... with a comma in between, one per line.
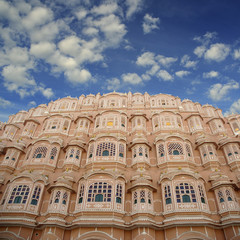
x=36, y=195
x=146, y=152
x=175, y=148
x=81, y=194
x=161, y=150
x=57, y=197
x=98, y=189
x=149, y=197
x=220, y=196
x=53, y=153
x=19, y=194
x=135, y=196
x=119, y=193
x=106, y=146
x=40, y=152
x=134, y=152
x=185, y=193
x=91, y=148
x=201, y=193
x=121, y=150
x=188, y=150
x=140, y=151
x=229, y=195
x=142, y=196
x=167, y=194
x=12, y=154
x=65, y=197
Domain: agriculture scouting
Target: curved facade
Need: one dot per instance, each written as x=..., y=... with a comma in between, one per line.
x=120, y=166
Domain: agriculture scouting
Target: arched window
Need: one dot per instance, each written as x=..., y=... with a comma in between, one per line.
x=119, y=193
x=110, y=147
x=105, y=153
x=142, y=197
x=57, y=197
x=185, y=193
x=135, y=197
x=81, y=194
x=201, y=193
x=40, y=152
x=121, y=150
x=65, y=196
x=228, y=194
x=91, y=148
x=168, y=196
x=161, y=150
x=19, y=194
x=220, y=196
x=100, y=188
x=36, y=195
x=99, y=198
x=175, y=148
x=53, y=153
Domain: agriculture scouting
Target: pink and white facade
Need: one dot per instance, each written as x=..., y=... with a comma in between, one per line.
x=120, y=166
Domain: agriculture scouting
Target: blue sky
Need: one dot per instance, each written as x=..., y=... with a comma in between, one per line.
x=52, y=49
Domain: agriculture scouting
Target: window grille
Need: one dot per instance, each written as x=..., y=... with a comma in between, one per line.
x=201, y=193
x=175, y=148
x=81, y=194
x=121, y=150
x=220, y=197
x=142, y=196
x=19, y=194
x=185, y=193
x=53, y=153
x=65, y=197
x=188, y=150
x=161, y=150
x=40, y=150
x=91, y=148
x=57, y=197
x=36, y=195
x=119, y=193
x=97, y=189
x=106, y=146
x=135, y=196
x=168, y=196
x=229, y=196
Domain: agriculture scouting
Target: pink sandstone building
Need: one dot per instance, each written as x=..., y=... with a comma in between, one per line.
x=120, y=166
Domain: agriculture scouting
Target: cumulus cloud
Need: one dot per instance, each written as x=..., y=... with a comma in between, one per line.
x=77, y=76
x=113, y=84
x=133, y=6
x=236, y=54
x=80, y=14
x=165, y=61
x=4, y=103
x=131, y=78
x=150, y=23
x=164, y=75
x=182, y=73
x=105, y=9
x=199, y=51
x=32, y=103
x=146, y=59
x=42, y=49
x=217, y=52
x=235, y=108
x=187, y=63
x=211, y=74
x=38, y=16
x=219, y=91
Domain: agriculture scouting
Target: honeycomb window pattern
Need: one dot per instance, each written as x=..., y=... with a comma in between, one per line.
x=98, y=189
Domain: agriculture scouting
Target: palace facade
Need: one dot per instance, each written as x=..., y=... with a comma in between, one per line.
x=120, y=166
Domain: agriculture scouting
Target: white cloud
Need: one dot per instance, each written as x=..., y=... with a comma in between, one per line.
x=211, y=74
x=105, y=9
x=17, y=77
x=165, y=61
x=82, y=13
x=18, y=55
x=235, y=108
x=199, y=51
x=90, y=31
x=112, y=28
x=133, y=6
x=164, y=75
x=219, y=91
x=113, y=84
x=206, y=38
x=37, y=17
x=77, y=76
x=131, y=78
x=32, y=103
x=146, y=59
x=236, y=54
x=153, y=70
x=42, y=49
x=146, y=77
x=4, y=103
x=70, y=45
x=187, y=63
x=46, y=92
x=150, y=23
x=182, y=73
x=217, y=52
